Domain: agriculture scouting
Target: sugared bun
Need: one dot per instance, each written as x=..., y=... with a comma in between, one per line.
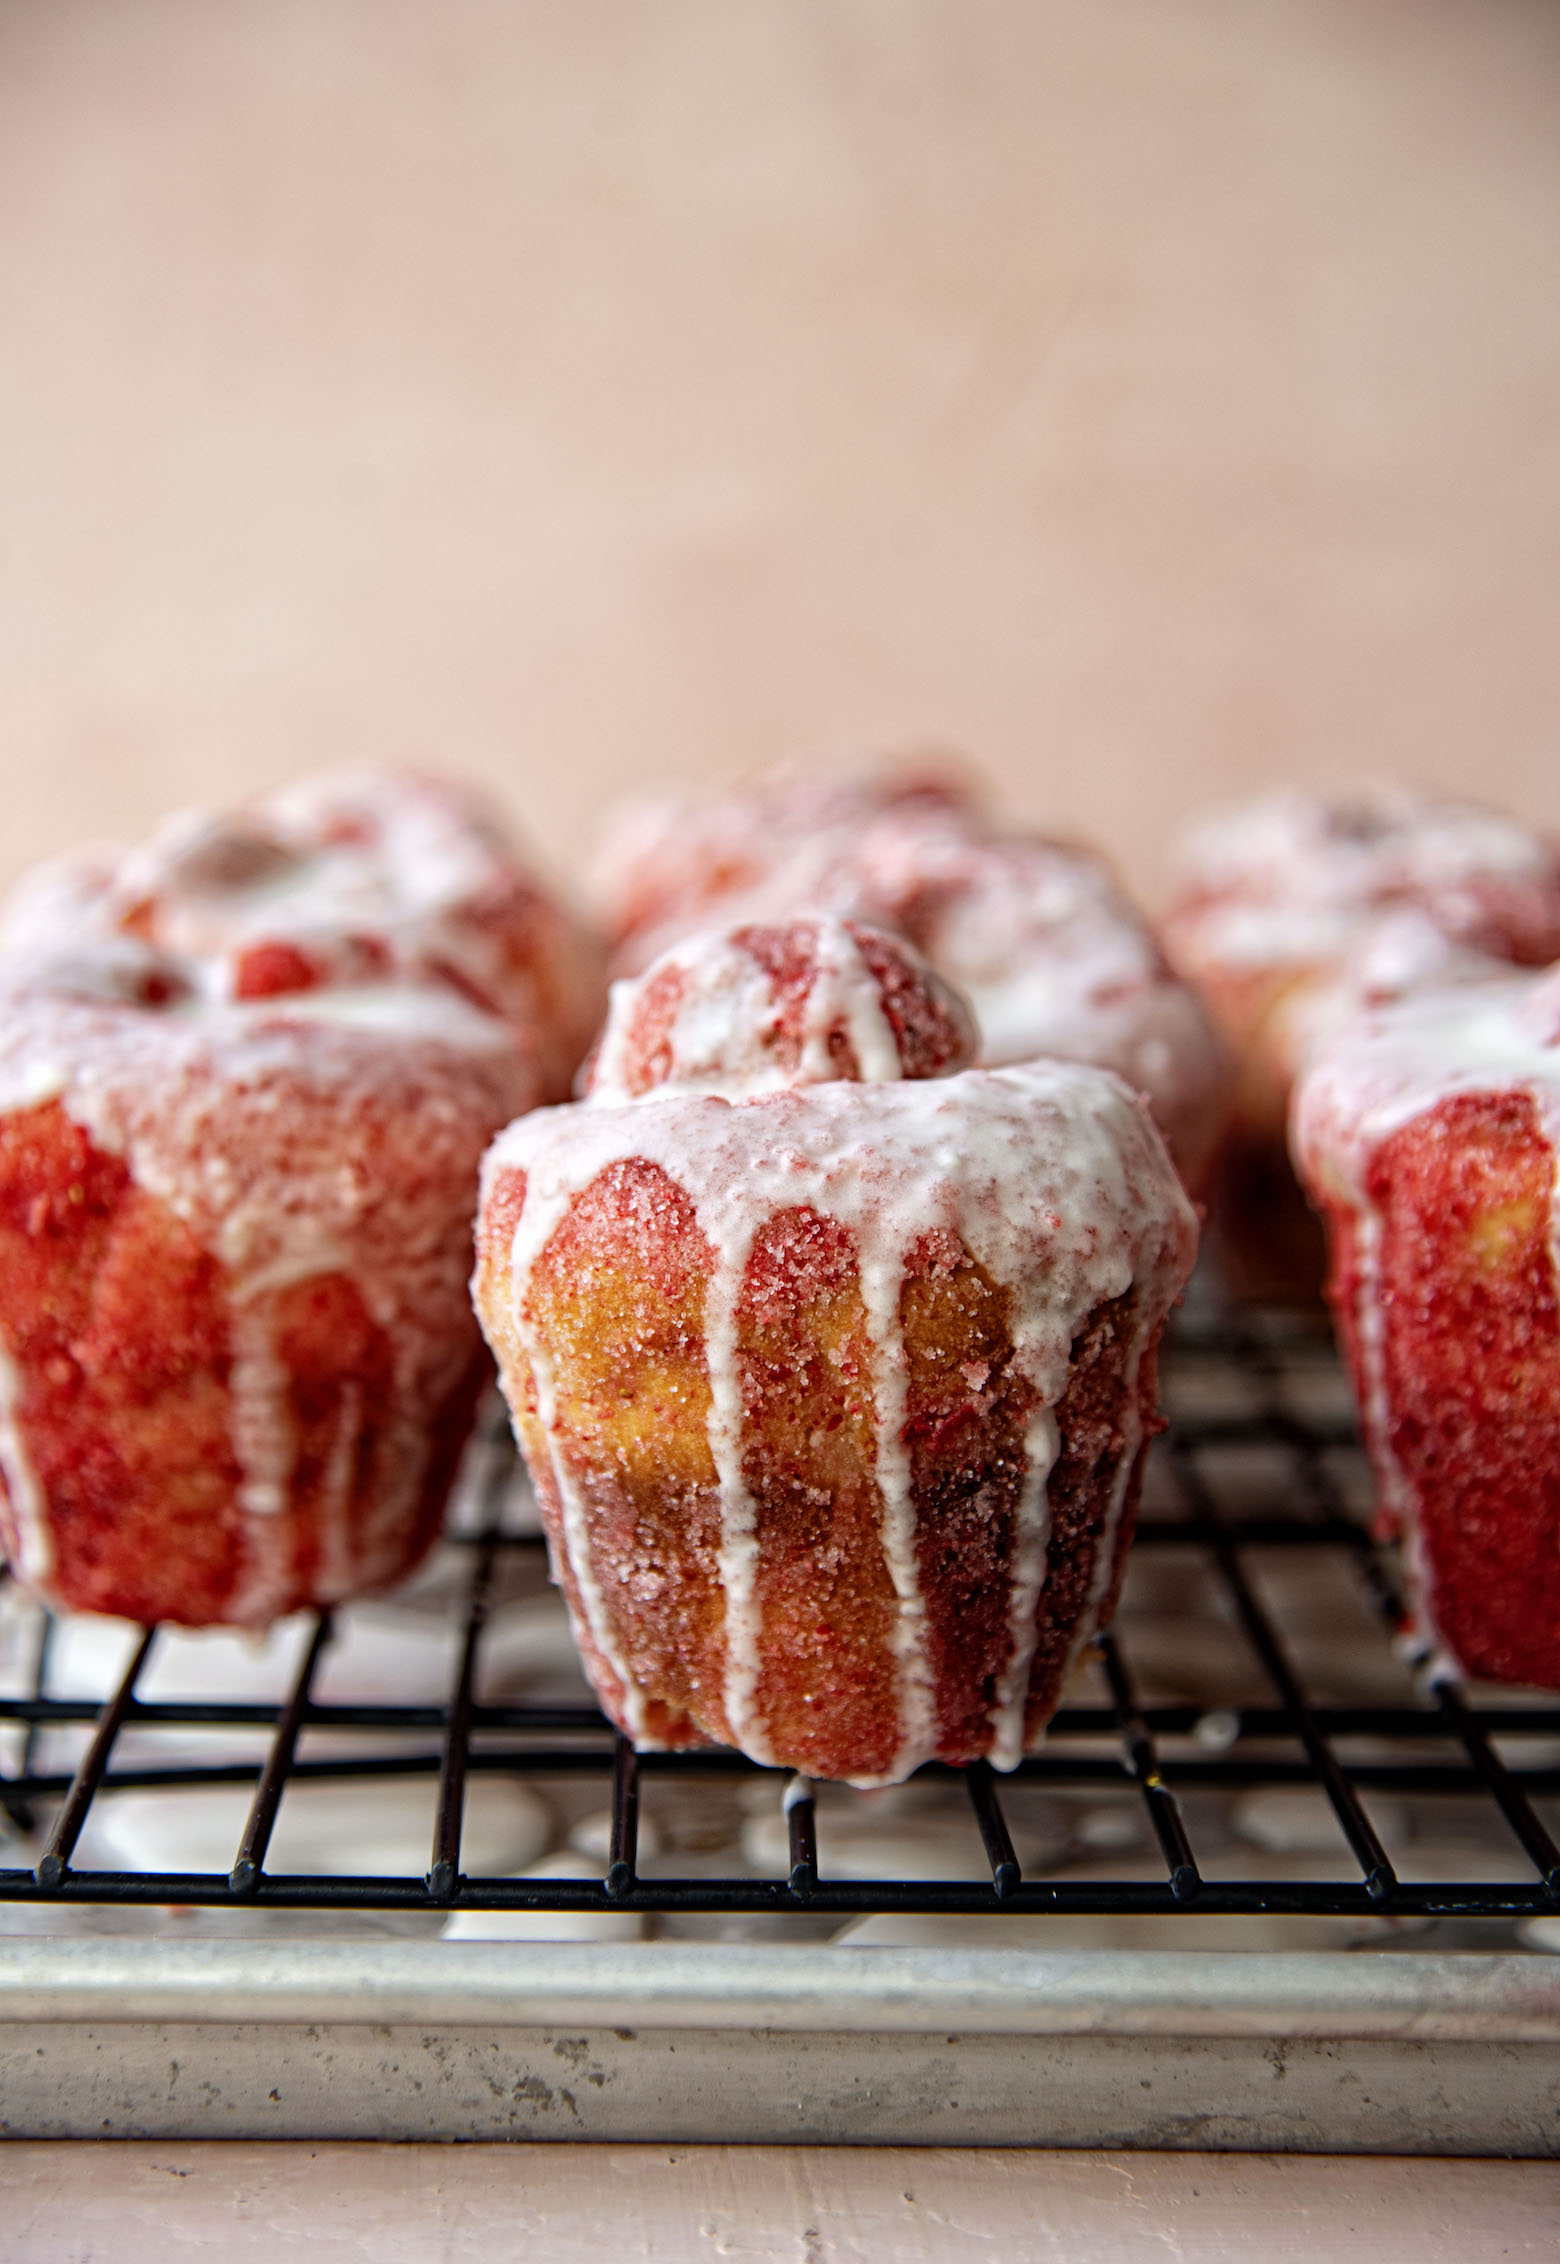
x=340, y=881
x=1296, y=911
x=754, y=1009
x=1055, y=961
x=1428, y=1134
x=1295, y=914
x=674, y=863
x=1296, y=880
x=247, y=1075
x=835, y=1397
x=1036, y=933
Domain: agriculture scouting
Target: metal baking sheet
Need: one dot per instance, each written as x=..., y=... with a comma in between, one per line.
x=680, y=2042
x=163, y=1999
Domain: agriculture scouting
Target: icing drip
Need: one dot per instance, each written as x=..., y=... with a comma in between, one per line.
x=737, y=1558
x=29, y=1509
x=882, y=1261
x=1370, y=1323
x=335, y=1508
x=844, y=989
x=1042, y=1444
x=1051, y=1177
x=265, y=1448
x=263, y=1438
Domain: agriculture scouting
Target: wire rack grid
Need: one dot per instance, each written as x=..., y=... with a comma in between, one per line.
x=1445, y=1742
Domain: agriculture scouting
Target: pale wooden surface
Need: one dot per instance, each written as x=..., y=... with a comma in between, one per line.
x=153, y=2204
x=1156, y=395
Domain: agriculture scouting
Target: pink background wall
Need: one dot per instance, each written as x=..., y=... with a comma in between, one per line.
x=1160, y=397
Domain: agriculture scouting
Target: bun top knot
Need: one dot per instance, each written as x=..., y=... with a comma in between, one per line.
x=748, y=1010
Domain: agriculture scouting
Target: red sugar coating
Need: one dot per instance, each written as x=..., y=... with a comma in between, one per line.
x=1095, y=1440
x=650, y=1044
x=1466, y=1301
x=268, y=970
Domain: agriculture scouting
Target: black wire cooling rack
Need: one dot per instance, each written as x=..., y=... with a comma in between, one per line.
x=1444, y=1743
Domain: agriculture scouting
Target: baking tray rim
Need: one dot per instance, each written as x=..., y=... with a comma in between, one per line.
x=1451, y=1996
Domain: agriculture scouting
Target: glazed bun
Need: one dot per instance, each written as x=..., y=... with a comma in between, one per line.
x=247, y=1074
x=1296, y=913
x=1428, y=1135
x=834, y=1388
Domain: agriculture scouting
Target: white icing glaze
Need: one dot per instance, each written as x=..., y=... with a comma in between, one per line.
x=1049, y=1173
x=265, y=1448
x=576, y=1541
x=737, y=1557
x=881, y=1259
x=1396, y=956
x=1374, y=1077
x=727, y=1030
x=29, y=1509
x=1032, y=1533
x=1055, y=961
x=409, y=1012
x=1395, y=1062
x=672, y=863
x=844, y=989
